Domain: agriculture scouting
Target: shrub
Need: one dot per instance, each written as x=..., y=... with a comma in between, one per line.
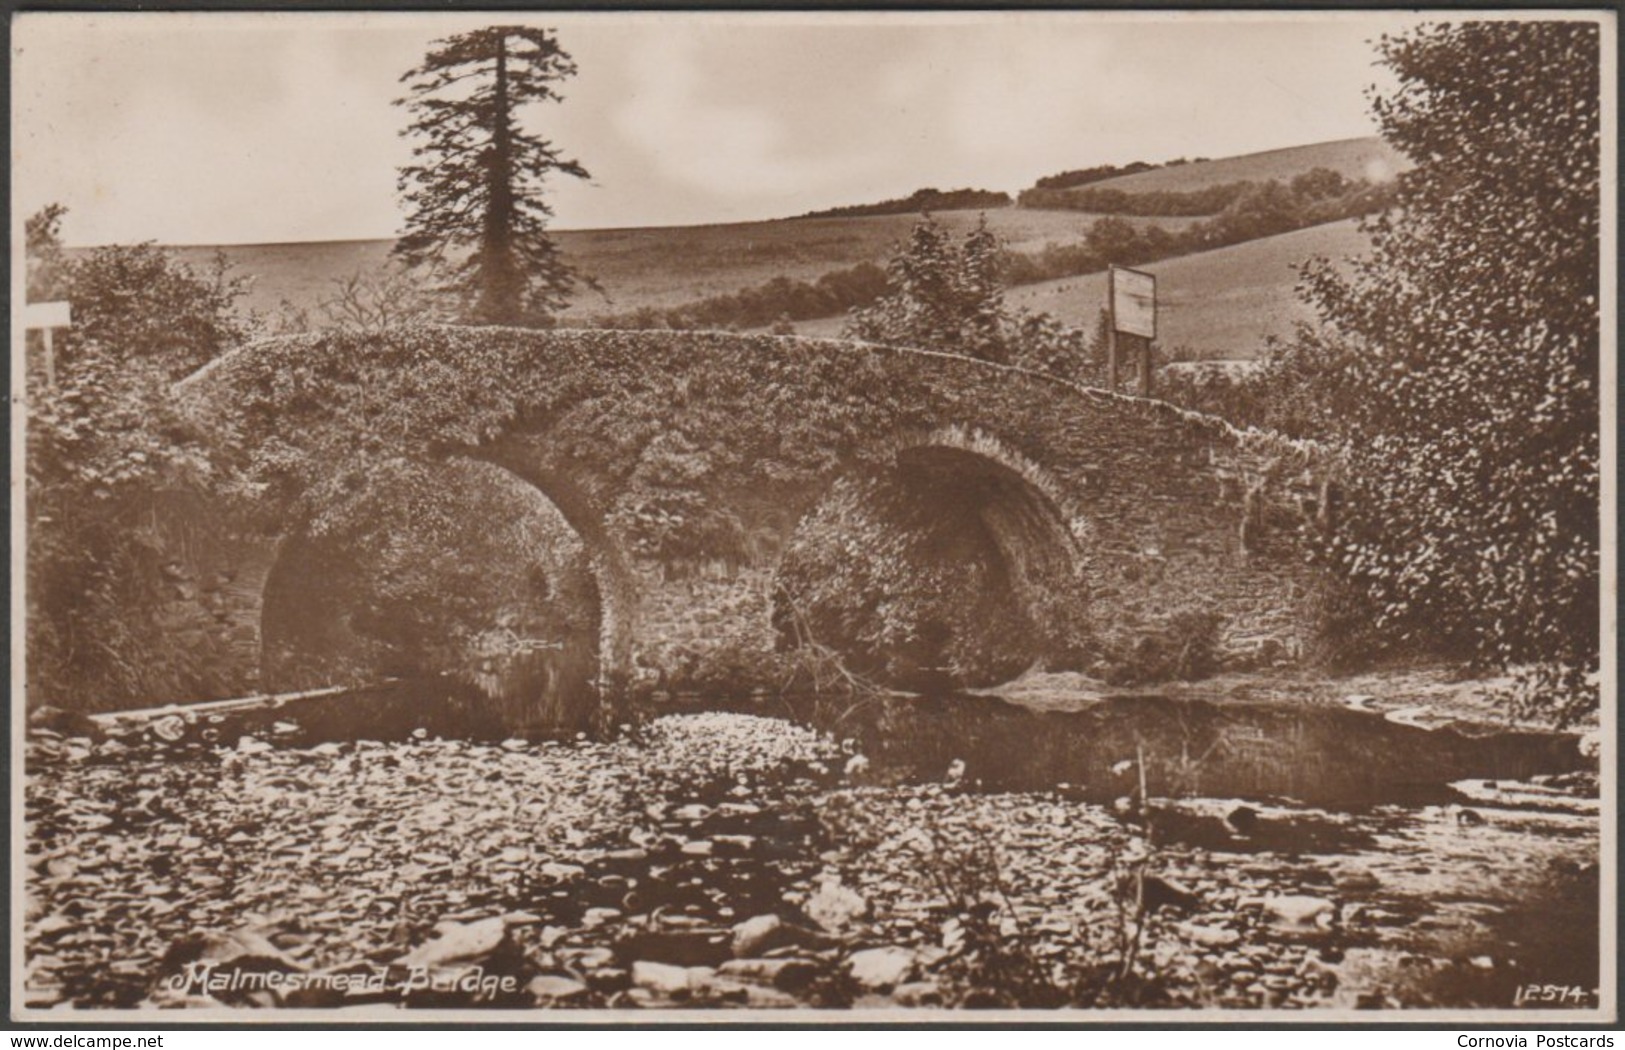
x=108, y=455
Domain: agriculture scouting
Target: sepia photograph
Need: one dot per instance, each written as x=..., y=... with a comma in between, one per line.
x=820, y=517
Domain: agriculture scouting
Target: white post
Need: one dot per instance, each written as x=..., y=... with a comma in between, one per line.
x=47, y=317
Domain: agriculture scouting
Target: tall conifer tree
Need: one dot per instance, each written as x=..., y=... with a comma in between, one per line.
x=474, y=188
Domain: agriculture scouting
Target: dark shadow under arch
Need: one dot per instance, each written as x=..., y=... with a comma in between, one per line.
x=315, y=608
x=951, y=566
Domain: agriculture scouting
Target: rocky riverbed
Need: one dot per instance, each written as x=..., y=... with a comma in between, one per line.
x=733, y=860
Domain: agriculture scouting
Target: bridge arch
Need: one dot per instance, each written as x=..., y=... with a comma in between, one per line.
x=551, y=618
x=953, y=562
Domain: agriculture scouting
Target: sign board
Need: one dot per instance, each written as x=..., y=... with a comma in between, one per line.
x=1134, y=302
x=47, y=315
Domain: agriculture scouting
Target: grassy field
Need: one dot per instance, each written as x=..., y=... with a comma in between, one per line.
x=1366, y=158
x=1217, y=304
x=656, y=266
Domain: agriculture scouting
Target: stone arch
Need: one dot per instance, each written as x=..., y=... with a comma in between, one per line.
x=617, y=587
x=952, y=561
x=294, y=579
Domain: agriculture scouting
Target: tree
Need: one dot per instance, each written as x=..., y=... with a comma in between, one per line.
x=951, y=298
x=1471, y=334
x=108, y=449
x=475, y=186
x=942, y=297
x=138, y=302
x=42, y=235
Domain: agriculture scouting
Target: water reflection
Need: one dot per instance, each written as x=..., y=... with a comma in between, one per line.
x=532, y=692
x=1191, y=748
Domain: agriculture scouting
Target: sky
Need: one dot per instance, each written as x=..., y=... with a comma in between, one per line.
x=239, y=128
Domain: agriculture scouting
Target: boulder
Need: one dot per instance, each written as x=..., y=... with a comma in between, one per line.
x=551, y=988
x=669, y=980
x=835, y=907
x=458, y=941
x=1299, y=910
x=243, y=949
x=759, y=935
x=784, y=974
x=881, y=969
x=917, y=993
x=1208, y=936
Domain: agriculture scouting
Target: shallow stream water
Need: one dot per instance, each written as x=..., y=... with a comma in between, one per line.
x=1317, y=856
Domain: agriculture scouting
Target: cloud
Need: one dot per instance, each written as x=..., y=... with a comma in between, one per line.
x=727, y=147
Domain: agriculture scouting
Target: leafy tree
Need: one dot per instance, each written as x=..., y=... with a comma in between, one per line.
x=1470, y=338
x=42, y=233
x=943, y=297
x=951, y=297
x=138, y=302
x=107, y=452
x=475, y=187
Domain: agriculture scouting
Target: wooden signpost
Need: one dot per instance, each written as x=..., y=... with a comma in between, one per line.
x=47, y=317
x=1131, y=302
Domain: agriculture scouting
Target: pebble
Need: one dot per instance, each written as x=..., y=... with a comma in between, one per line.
x=554, y=988
x=667, y=979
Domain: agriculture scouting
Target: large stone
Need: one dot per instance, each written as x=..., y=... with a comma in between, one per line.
x=835, y=907
x=759, y=997
x=1158, y=892
x=457, y=941
x=550, y=989
x=1299, y=910
x=881, y=969
x=917, y=993
x=557, y=872
x=242, y=949
x=1208, y=936
x=784, y=974
x=759, y=935
x=669, y=980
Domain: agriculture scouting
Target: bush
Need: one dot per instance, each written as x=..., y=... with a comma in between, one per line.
x=109, y=456
x=1341, y=625
x=948, y=297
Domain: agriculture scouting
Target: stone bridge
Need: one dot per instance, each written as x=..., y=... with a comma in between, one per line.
x=921, y=514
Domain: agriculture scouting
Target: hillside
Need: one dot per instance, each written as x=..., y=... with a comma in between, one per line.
x=1364, y=158
x=656, y=266
x=1217, y=304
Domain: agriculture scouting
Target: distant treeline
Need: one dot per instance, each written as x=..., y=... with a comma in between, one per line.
x=1258, y=209
x=763, y=304
x=918, y=201
x=1066, y=180
x=1317, y=183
